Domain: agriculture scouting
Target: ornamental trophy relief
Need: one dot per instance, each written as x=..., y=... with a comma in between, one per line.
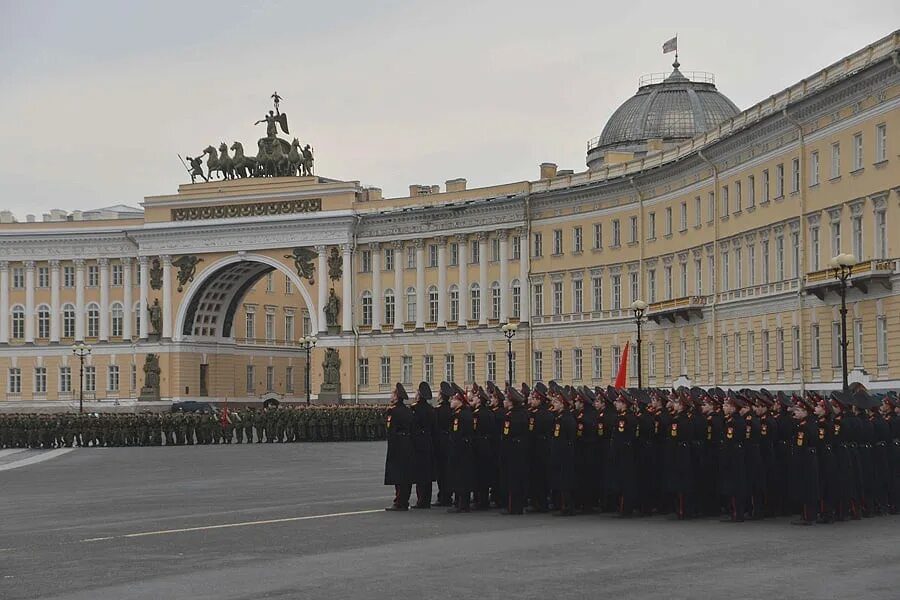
x=275, y=156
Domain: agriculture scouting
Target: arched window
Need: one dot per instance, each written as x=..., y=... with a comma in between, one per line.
x=454, y=303
x=516, y=298
x=18, y=322
x=118, y=319
x=43, y=321
x=367, y=308
x=495, y=300
x=432, y=304
x=389, y=306
x=68, y=318
x=93, y=321
x=475, y=296
x=137, y=319
x=410, y=304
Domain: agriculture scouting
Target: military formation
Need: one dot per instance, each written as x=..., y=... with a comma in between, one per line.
x=218, y=426
x=687, y=453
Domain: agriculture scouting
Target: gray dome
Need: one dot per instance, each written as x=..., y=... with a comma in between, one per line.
x=673, y=109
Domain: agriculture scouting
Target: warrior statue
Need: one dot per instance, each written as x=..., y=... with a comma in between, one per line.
x=155, y=316
x=275, y=116
x=196, y=169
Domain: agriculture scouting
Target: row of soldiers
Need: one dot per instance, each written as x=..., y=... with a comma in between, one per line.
x=216, y=426
x=688, y=452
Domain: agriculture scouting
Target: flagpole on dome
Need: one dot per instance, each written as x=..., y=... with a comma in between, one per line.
x=672, y=46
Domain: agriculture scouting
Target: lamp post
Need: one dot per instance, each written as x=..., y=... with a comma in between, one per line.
x=308, y=343
x=509, y=332
x=842, y=268
x=639, y=307
x=81, y=350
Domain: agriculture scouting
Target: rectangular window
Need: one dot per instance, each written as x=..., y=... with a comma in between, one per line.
x=751, y=192
x=617, y=234
x=454, y=254
x=725, y=202
x=634, y=230
x=751, y=264
x=538, y=307
x=668, y=272
x=765, y=261
x=511, y=365
x=651, y=359
x=363, y=370
x=738, y=268
x=617, y=292
x=270, y=378
x=698, y=277
x=289, y=380
x=577, y=365
x=69, y=277
x=43, y=277
x=684, y=280
x=406, y=370
x=250, y=383
x=881, y=247
x=557, y=298
x=651, y=286
x=856, y=222
x=411, y=257
x=795, y=341
x=835, y=160
x=557, y=365
x=711, y=207
x=495, y=251
x=578, y=296
x=432, y=255
x=18, y=278
x=307, y=322
x=65, y=380
x=491, y=366
x=635, y=292
x=616, y=360
x=428, y=368
x=597, y=363
x=538, y=365
x=698, y=211
x=765, y=351
x=470, y=368
x=538, y=245
x=726, y=263
x=795, y=253
x=836, y=351
x=388, y=260
x=112, y=383
x=737, y=196
x=385, y=370
x=684, y=217
x=814, y=249
x=858, y=343
x=251, y=326
x=766, y=196
x=738, y=352
x=270, y=282
x=557, y=242
x=835, y=238
x=724, y=353
x=288, y=286
x=93, y=275
x=795, y=175
x=596, y=294
x=270, y=327
x=857, y=152
x=134, y=377
x=779, y=180
x=668, y=229
x=14, y=381
x=289, y=328
x=598, y=236
x=578, y=240
x=814, y=168
x=516, y=247
x=40, y=380
x=815, y=349
x=449, y=367
x=365, y=261
x=751, y=352
x=651, y=226
x=779, y=349
x=881, y=334
x=880, y=143
x=779, y=258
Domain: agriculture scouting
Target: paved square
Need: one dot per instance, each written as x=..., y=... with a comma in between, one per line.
x=305, y=521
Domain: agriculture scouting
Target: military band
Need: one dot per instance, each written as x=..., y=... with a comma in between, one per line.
x=688, y=453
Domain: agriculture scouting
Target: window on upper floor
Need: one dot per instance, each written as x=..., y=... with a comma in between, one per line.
x=633, y=238
x=538, y=245
x=577, y=240
x=814, y=168
x=651, y=226
x=598, y=236
x=857, y=152
x=668, y=227
x=795, y=175
x=557, y=242
x=835, y=160
x=880, y=143
x=617, y=233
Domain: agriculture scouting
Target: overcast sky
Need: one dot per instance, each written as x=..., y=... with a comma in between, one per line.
x=97, y=98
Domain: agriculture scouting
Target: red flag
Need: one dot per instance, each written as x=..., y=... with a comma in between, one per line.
x=623, y=369
x=224, y=418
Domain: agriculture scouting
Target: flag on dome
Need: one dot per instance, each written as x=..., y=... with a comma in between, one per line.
x=671, y=45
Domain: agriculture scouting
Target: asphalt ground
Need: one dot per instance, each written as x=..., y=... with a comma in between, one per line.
x=305, y=521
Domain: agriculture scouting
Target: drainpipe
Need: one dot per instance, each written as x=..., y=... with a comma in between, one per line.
x=802, y=268
x=526, y=285
x=715, y=281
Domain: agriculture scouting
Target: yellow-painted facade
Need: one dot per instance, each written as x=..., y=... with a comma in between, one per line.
x=727, y=237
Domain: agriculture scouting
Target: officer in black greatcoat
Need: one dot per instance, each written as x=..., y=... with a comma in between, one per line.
x=709, y=471
x=828, y=478
x=621, y=468
x=756, y=472
x=443, y=417
x=423, y=445
x=606, y=422
x=461, y=451
x=732, y=464
x=498, y=485
x=562, y=452
x=784, y=436
x=485, y=428
x=586, y=450
x=841, y=497
x=678, y=457
x=805, y=463
x=513, y=449
x=647, y=464
x=540, y=431
x=398, y=466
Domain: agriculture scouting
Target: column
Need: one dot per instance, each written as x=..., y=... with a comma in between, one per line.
x=504, y=276
x=443, y=292
x=464, y=300
x=323, y=285
x=29, y=301
x=377, y=295
x=421, y=296
x=4, y=302
x=127, y=300
x=144, y=266
x=347, y=300
x=54, y=301
x=79, y=299
x=166, y=297
x=524, y=284
x=483, y=278
x=399, y=292
x=104, y=299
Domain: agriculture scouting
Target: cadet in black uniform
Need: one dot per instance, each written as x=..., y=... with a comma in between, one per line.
x=443, y=415
x=562, y=453
x=460, y=463
x=678, y=459
x=423, y=445
x=514, y=452
x=485, y=430
x=733, y=467
x=398, y=466
x=805, y=463
x=620, y=467
x=586, y=450
x=540, y=431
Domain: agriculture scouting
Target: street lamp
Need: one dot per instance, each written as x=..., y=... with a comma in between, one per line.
x=509, y=332
x=639, y=307
x=81, y=350
x=308, y=343
x=842, y=268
